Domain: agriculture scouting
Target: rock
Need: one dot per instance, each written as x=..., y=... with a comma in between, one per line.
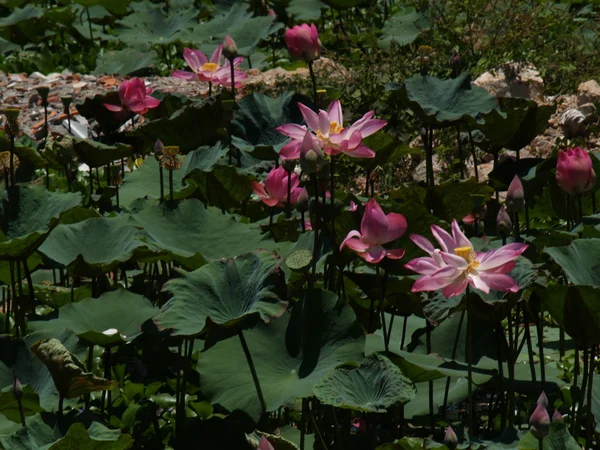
x=588, y=92
x=588, y=110
x=573, y=123
x=513, y=80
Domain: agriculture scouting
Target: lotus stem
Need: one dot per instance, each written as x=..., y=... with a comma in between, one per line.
x=178, y=397
x=593, y=203
x=404, y=326
x=431, y=413
x=90, y=363
x=270, y=216
x=87, y=11
x=21, y=411
x=469, y=351
x=232, y=79
x=332, y=189
x=516, y=227
x=288, y=206
x=454, y=350
x=45, y=119
x=91, y=183
x=314, y=82
x=60, y=405
x=473, y=153
x=29, y=281
x=530, y=354
x=541, y=444
x=12, y=162
x=210, y=88
x=540, y=327
x=590, y=416
x=367, y=183
x=303, y=224
x=171, y=184
x=20, y=318
x=576, y=369
x=561, y=348
x=303, y=423
x=315, y=426
x=460, y=153
x=259, y=392
x=580, y=206
x=162, y=183
x=314, y=223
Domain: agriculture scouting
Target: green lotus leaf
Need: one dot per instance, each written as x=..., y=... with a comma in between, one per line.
x=305, y=10
x=58, y=296
x=114, y=317
x=442, y=103
x=44, y=436
x=419, y=406
x=24, y=25
x=290, y=354
x=25, y=152
x=10, y=407
x=387, y=151
x=371, y=387
x=93, y=108
x=194, y=235
x=145, y=183
x=69, y=374
x=126, y=61
x=96, y=154
x=149, y=24
x=234, y=293
x=237, y=22
x=404, y=28
x=255, y=122
x=523, y=120
x=452, y=200
x=559, y=438
x=579, y=261
x=193, y=126
x=114, y=242
x=343, y=4
x=27, y=215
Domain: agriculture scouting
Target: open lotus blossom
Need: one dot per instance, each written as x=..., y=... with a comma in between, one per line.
x=328, y=127
x=264, y=444
x=456, y=264
x=210, y=71
x=376, y=229
x=303, y=42
x=274, y=191
x=134, y=97
x=575, y=171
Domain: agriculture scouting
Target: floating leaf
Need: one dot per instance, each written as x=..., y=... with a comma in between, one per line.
x=234, y=293
x=126, y=61
x=371, y=387
x=68, y=373
x=579, y=261
x=404, y=28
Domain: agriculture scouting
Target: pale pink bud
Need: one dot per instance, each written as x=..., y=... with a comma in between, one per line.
x=503, y=221
x=303, y=42
x=230, y=49
x=450, y=438
x=574, y=171
x=515, y=197
x=540, y=422
x=557, y=416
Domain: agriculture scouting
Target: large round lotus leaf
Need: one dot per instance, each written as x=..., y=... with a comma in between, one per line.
x=114, y=317
x=27, y=215
x=237, y=22
x=523, y=120
x=419, y=406
x=559, y=438
x=93, y=108
x=44, y=436
x=96, y=154
x=230, y=293
x=9, y=407
x=404, y=28
x=579, y=260
x=371, y=387
x=114, y=242
x=453, y=199
x=149, y=24
x=145, y=183
x=126, y=61
x=222, y=185
x=194, y=235
x=189, y=128
x=257, y=118
x=24, y=25
x=442, y=103
x=330, y=336
x=305, y=10
x=24, y=151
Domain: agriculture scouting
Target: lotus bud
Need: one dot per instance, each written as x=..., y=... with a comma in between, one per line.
x=503, y=221
x=540, y=422
x=450, y=438
x=12, y=121
x=303, y=42
x=44, y=91
x=302, y=202
x=264, y=444
x=159, y=149
x=230, y=49
x=353, y=206
x=574, y=171
x=557, y=416
x=17, y=389
x=311, y=156
x=542, y=399
x=515, y=197
x=272, y=13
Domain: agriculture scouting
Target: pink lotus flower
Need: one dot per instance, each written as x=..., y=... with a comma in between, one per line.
x=450, y=438
x=275, y=189
x=515, y=196
x=540, y=422
x=303, y=42
x=328, y=127
x=376, y=229
x=210, y=71
x=456, y=264
x=134, y=96
x=353, y=206
x=574, y=171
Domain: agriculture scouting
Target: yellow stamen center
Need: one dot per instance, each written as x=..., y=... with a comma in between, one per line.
x=468, y=255
x=212, y=67
x=334, y=128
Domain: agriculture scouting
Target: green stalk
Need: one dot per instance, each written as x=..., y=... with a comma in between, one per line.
x=314, y=81
x=171, y=184
x=11, y=161
x=454, y=350
x=314, y=223
x=460, y=153
x=404, y=326
x=540, y=330
x=288, y=206
x=431, y=413
x=261, y=399
x=590, y=416
x=470, y=365
x=317, y=431
x=162, y=183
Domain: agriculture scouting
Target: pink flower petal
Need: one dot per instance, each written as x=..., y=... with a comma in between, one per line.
x=456, y=288
x=373, y=225
x=499, y=282
x=353, y=235
x=259, y=189
x=424, y=265
x=324, y=123
x=437, y=280
x=397, y=253
x=362, y=151
x=459, y=237
x=291, y=150
x=372, y=126
x=310, y=117
x=478, y=283
x=446, y=241
x=292, y=130
x=501, y=256
x=454, y=261
x=113, y=108
x=396, y=226
x=423, y=243
x=374, y=255
x=194, y=58
x=335, y=112
x=185, y=75
x=216, y=56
